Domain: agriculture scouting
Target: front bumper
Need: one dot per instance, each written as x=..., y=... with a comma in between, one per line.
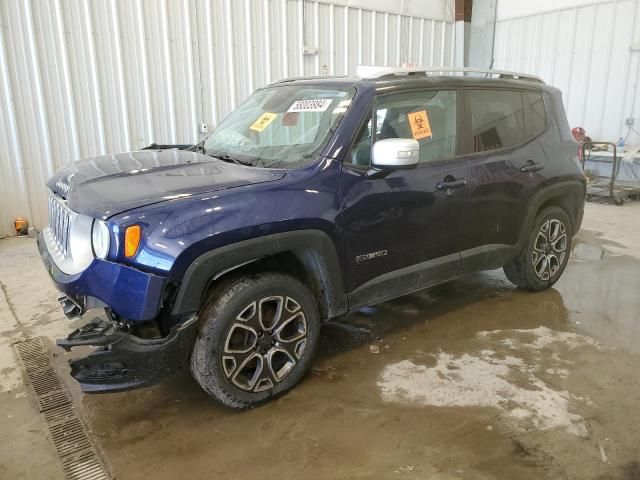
x=123, y=361
x=120, y=359
x=130, y=293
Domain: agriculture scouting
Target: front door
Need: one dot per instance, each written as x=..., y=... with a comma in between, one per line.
x=403, y=230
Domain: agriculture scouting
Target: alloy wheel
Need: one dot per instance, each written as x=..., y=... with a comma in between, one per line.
x=264, y=343
x=549, y=249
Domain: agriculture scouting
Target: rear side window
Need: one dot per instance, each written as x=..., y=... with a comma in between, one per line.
x=537, y=115
x=504, y=118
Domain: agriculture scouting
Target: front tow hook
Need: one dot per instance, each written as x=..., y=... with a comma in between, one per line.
x=97, y=333
x=71, y=308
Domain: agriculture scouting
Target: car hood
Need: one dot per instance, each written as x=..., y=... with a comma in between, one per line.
x=111, y=184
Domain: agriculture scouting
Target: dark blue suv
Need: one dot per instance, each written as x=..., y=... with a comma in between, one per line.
x=316, y=197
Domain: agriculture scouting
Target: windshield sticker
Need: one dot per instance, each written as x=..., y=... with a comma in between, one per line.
x=263, y=122
x=342, y=107
x=290, y=119
x=420, y=127
x=317, y=105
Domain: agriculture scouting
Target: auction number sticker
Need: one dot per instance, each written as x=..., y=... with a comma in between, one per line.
x=420, y=127
x=263, y=122
x=316, y=105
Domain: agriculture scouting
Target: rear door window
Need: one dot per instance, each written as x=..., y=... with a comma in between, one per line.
x=504, y=118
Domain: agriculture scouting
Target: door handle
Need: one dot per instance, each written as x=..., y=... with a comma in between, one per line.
x=451, y=184
x=531, y=166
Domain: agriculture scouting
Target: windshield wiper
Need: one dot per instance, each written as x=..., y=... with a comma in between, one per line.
x=230, y=159
x=198, y=147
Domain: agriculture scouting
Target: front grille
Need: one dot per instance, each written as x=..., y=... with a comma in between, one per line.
x=59, y=224
x=68, y=237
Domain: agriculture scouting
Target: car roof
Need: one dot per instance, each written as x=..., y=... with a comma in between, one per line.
x=385, y=84
x=383, y=79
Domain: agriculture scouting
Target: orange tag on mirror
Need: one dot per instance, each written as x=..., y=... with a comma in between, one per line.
x=419, y=122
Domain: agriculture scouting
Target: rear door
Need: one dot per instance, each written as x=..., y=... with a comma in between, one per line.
x=403, y=230
x=506, y=167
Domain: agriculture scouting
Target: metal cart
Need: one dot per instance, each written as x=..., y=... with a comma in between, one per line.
x=608, y=187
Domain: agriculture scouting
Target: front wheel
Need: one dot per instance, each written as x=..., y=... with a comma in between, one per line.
x=546, y=252
x=256, y=339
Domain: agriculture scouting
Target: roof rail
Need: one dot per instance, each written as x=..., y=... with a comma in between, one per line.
x=372, y=72
x=308, y=77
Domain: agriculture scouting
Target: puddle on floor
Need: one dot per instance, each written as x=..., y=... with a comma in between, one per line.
x=601, y=293
x=585, y=252
x=471, y=379
x=505, y=369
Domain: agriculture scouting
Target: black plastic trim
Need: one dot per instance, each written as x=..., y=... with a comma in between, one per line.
x=405, y=280
x=123, y=361
x=487, y=257
x=568, y=188
x=313, y=247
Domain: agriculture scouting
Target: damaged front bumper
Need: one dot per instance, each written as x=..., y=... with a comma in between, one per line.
x=123, y=361
x=129, y=292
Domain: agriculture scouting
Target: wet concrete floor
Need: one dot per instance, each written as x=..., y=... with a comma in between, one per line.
x=473, y=379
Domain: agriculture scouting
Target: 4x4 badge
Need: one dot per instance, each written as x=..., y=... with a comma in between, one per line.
x=369, y=256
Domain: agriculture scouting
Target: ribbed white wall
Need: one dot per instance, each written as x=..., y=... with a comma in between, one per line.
x=585, y=51
x=80, y=78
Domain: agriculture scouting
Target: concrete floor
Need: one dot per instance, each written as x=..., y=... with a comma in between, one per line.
x=470, y=380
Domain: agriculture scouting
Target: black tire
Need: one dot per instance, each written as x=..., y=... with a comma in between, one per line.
x=530, y=270
x=233, y=320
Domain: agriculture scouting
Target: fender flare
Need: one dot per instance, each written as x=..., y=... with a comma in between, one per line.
x=575, y=189
x=313, y=248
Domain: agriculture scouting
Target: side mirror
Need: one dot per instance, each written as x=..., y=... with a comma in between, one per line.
x=393, y=153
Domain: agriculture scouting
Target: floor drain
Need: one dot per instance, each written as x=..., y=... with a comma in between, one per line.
x=79, y=458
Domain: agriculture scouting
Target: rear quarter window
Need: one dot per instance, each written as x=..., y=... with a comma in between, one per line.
x=504, y=118
x=536, y=116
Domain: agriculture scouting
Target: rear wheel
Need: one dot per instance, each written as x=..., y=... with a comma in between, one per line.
x=546, y=253
x=256, y=339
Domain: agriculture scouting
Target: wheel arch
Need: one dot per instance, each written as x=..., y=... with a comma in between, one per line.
x=308, y=255
x=567, y=195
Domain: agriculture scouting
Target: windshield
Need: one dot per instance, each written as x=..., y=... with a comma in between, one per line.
x=281, y=127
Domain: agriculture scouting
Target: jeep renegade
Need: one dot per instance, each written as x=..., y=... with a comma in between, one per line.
x=315, y=197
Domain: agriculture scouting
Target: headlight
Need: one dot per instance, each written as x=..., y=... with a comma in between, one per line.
x=100, y=239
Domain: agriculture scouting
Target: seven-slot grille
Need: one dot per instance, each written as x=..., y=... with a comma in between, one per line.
x=59, y=224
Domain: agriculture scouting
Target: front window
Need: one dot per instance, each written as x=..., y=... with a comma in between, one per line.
x=282, y=127
x=428, y=116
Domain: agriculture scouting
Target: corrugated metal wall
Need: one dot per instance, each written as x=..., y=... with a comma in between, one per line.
x=81, y=78
x=585, y=51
